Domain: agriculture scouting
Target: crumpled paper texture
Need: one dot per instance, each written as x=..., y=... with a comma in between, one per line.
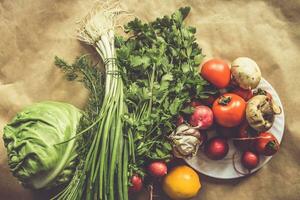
x=33, y=32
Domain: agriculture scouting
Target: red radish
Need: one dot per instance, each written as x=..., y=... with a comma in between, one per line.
x=216, y=148
x=246, y=94
x=137, y=183
x=266, y=144
x=227, y=132
x=158, y=168
x=243, y=139
x=180, y=120
x=202, y=117
x=250, y=160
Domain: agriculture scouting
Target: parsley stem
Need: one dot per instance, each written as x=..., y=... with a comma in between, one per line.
x=151, y=90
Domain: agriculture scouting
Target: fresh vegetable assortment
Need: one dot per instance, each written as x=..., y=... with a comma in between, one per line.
x=242, y=113
x=150, y=105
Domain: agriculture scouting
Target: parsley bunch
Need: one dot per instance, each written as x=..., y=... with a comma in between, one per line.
x=160, y=66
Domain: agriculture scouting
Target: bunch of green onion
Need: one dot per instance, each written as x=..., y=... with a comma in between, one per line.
x=104, y=170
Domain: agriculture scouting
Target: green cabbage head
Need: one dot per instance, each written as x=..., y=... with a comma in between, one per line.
x=31, y=138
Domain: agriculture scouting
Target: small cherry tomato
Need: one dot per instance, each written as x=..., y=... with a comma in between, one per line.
x=229, y=110
x=216, y=148
x=266, y=144
x=250, y=160
x=217, y=72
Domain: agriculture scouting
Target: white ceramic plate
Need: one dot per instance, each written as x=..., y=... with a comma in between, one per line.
x=223, y=169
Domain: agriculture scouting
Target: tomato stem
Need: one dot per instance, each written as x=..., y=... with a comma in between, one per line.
x=224, y=100
x=271, y=145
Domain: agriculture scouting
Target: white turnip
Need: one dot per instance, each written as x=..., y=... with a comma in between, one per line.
x=245, y=72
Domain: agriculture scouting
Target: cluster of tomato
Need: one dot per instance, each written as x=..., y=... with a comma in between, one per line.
x=228, y=110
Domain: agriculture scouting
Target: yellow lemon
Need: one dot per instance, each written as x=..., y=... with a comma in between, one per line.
x=181, y=183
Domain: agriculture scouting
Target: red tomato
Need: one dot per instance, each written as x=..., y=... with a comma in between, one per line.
x=266, y=144
x=229, y=110
x=217, y=72
x=245, y=94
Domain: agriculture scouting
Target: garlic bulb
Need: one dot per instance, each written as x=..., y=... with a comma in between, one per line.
x=185, y=141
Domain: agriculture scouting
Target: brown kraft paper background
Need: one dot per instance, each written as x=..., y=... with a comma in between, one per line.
x=32, y=32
